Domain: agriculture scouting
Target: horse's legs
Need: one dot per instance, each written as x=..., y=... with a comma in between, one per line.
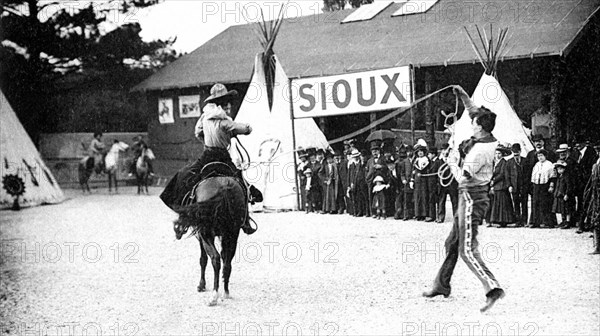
x=203, y=262
x=215, y=258
x=228, y=251
x=109, y=174
x=146, y=183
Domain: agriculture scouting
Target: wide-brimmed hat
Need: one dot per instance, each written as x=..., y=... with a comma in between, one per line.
x=560, y=163
x=563, y=148
x=378, y=179
x=537, y=137
x=354, y=153
x=219, y=92
x=505, y=150
x=419, y=147
x=516, y=148
x=307, y=171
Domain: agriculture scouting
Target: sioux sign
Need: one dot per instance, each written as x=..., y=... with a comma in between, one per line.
x=352, y=93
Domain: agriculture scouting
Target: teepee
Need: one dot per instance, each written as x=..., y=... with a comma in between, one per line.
x=26, y=181
x=270, y=147
x=489, y=93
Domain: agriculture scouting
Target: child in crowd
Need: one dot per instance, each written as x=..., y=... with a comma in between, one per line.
x=379, y=196
x=563, y=193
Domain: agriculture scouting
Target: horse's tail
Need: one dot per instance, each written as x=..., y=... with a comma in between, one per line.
x=205, y=214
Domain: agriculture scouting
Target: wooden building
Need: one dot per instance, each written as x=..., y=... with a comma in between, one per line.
x=550, y=64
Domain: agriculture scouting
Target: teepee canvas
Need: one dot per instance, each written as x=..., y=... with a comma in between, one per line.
x=23, y=171
x=489, y=93
x=270, y=145
x=509, y=128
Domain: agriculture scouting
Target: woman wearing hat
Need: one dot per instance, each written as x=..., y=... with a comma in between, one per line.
x=501, y=206
x=543, y=179
x=217, y=128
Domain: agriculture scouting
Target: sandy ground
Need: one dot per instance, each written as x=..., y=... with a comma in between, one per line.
x=109, y=265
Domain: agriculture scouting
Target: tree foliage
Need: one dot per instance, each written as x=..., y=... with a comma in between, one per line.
x=45, y=43
x=332, y=5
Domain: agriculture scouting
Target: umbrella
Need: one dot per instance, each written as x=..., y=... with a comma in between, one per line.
x=381, y=135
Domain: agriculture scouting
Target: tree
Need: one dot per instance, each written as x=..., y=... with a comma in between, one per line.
x=43, y=42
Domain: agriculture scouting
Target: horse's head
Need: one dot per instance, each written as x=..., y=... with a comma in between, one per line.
x=180, y=228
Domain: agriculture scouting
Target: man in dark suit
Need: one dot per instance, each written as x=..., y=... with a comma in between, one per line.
x=572, y=172
x=399, y=174
x=342, y=170
x=433, y=184
x=517, y=185
x=376, y=159
x=358, y=184
x=586, y=161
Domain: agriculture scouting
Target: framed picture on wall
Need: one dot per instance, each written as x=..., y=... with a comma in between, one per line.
x=189, y=106
x=165, y=111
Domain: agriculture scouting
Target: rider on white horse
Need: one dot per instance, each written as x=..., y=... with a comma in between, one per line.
x=217, y=128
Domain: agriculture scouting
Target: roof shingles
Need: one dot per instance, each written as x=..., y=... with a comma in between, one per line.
x=319, y=45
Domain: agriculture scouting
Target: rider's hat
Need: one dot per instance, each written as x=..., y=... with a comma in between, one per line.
x=219, y=93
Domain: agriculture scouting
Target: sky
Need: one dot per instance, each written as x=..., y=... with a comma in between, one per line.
x=194, y=22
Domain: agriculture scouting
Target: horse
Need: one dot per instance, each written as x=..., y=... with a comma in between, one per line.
x=219, y=210
x=111, y=162
x=142, y=172
x=142, y=169
x=85, y=168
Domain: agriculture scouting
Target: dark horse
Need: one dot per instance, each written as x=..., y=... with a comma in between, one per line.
x=142, y=172
x=85, y=168
x=220, y=209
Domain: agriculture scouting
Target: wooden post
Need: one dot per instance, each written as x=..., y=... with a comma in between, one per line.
x=412, y=109
x=556, y=88
x=429, y=118
x=294, y=146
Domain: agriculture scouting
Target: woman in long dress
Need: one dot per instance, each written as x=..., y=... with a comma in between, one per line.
x=330, y=180
x=502, y=211
x=543, y=179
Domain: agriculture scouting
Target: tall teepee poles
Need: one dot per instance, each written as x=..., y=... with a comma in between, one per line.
x=267, y=34
x=490, y=51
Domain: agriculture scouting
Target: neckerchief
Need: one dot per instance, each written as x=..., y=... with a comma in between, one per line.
x=465, y=147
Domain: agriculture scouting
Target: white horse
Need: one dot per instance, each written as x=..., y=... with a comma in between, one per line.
x=112, y=163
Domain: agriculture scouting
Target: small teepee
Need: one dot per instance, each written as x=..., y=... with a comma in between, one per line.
x=489, y=93
x=270, y=146
x=26, y=181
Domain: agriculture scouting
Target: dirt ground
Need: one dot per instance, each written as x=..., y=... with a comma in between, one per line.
x=110, y=265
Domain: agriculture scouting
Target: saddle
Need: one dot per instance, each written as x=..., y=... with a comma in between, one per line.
x=212, y=169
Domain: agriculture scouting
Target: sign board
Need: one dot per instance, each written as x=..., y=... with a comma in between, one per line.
x=189, y=106
x=351, y=93
x=165, y=111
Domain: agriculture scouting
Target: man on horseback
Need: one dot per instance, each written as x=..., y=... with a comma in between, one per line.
x=97, y=149
x=217, y=128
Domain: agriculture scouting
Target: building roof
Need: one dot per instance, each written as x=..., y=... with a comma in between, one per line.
x=319, y=45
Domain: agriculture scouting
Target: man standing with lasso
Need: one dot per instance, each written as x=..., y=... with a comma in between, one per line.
x=473, y=176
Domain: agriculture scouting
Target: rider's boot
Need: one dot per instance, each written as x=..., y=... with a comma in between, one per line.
x=247, y=228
